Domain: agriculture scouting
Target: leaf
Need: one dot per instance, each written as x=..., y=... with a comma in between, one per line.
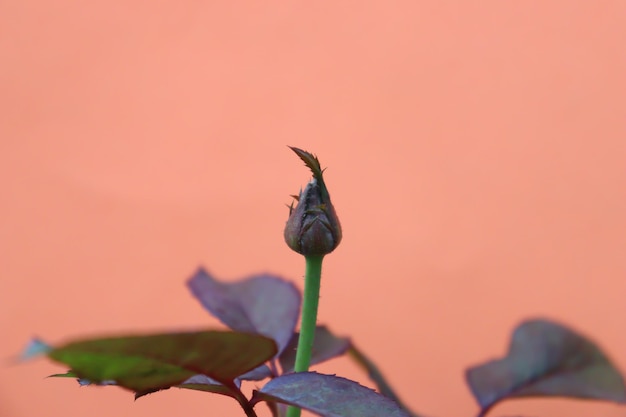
x=68, y=374
x=159, y=361
x=35, y=347
x=262, y=304
x=203, y=380
x=310, y=161
x=377, y=377
x=325, y=346
x=328, y=395
x=81, y=381
x=196, y=382
x=547, y=359
x=256, y=374
x=200, y=383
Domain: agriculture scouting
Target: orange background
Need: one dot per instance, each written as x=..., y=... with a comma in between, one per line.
x=475, y=151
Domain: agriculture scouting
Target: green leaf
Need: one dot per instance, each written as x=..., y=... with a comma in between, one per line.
x=547, y=359
x=158, y=361
x=68, y=374
x=196, y=382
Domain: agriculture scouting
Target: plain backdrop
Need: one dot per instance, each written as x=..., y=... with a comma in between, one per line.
x=476, y=156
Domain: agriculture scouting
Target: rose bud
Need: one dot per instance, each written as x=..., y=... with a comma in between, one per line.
x=313, y=228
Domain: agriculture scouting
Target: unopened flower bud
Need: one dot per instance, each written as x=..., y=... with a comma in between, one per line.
x=313, y=228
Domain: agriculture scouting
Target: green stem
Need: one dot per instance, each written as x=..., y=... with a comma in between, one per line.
x=310, y=301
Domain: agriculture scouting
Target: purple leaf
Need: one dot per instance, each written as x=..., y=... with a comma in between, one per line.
x=377, y=376
x=83, y=382
x=261, y=304
x=204, y=380
x=206, y=384
x=310, y=161
x=35, y=347
x=325, y=346
x=256, y=374
x=547, y=359
x=328, y=396
x=199, y=383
